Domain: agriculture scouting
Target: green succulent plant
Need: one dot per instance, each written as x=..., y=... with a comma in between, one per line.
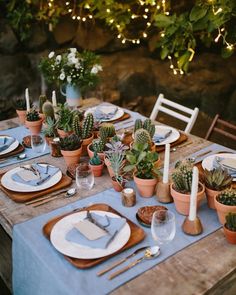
x=70, y=143
x=33, y=115
x=50, y=129
x=20, y=104
x=107, y=130
x=231, y=221
x=227, y=197
x=217, y=179
x=87, y=126
x=95, y=160
x=146, y=124
x=141, y=136
x=65, y=118
x=98, y=145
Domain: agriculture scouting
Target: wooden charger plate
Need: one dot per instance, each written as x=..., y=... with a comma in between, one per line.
x=137, y=235
x=17, y=151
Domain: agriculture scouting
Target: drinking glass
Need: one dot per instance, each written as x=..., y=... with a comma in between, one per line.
x=163, y=226
x=38, y=143
x=84, y=176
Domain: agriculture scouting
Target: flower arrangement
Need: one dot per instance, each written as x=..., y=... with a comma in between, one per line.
x=72, y=67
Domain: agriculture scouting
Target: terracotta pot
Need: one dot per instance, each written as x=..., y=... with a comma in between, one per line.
x=34, y=126
x=22, y=115
x=91, y=153
x=223, y=210
x=157, y=164
x=85, y=143
x=42, y=116
x=108, y=164
x=117, y=187
x=72, y=157
x=97, y=169
x=146, y=187
x=230, y=235
x=211, y=194
x=182, y=201
x=95, y=133
x=48, y=140
x=63, y=134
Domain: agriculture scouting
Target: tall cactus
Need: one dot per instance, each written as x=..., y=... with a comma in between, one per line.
x=98, y=145
x=87, y=127
x=231, y=221
x=48, y=110
x=147, y=125
x=107, y=130
x=138, y=124
x=76, y=125
x=141, y=136
x=182, y=176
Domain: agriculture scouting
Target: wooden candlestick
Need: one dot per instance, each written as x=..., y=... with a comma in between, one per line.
x=192, y=227
x=163, y=192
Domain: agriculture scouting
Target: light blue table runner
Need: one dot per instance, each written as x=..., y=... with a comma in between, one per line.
x=39, y=269
x=19, y=133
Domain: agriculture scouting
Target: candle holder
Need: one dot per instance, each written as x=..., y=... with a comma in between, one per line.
x=55, y=148
x=128, y=197
x=192, y=227
x=163, y=192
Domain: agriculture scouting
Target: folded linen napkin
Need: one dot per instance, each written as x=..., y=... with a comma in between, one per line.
x=161, y=135
x=29, y=178
x=5, y=142
x=111, y=225
x=105, y=112
x=228, y=164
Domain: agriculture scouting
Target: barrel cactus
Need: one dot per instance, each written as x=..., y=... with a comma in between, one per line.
x=146, y=124
x=48, y=110
x=182, y=176
x=87, y=127
x=76, y=125
x=107, y=130
x=138, y=124
x=231, y=221
x=142, y=136
x=227, y=197
x=98, y=145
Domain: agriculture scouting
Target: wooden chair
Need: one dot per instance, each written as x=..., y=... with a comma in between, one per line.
x=163, y=101
x=220, y=129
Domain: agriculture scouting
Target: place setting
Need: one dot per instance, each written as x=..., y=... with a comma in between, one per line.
x=9, y=147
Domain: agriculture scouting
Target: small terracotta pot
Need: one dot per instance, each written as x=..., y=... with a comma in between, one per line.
x=42, y=116
x=223, y=210
x=97, y=169
x=72, y=157
x=85, y=143
x=146, y=187
x=182, y=201
x=117, y=187
x=230, y=235
x=211, y=194
x=91, y=153
x=95, y=133
x=63, y=134
x=110, y=170
x=34, y=126
x=22, y=115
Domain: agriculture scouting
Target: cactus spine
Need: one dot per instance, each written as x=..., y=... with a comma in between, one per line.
x=107, y=130
x=147, y=125
x=182, y=176
x=87, y=126
x=98, y=145
x=48, y=110
x=76, y=125
x=138, y=124
x=231, y=221
x=142, y=136
x=42, y=100
x=227, y=197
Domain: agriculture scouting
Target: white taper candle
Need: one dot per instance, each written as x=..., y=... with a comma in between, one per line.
x=27, y=99
x=54, y=98
x=166, y=163
x=193, y=197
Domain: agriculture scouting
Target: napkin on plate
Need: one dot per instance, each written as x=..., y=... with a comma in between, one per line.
x=105, y=112
x=111, y=228
x=228, y=164
x=161, y=135
x=5, y=142
x=34, y=179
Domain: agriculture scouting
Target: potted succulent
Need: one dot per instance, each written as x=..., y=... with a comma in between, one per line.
x=216, y=180
x=181, y=186
x=146, y=124
x=64, y=121
x=230, y=228
x=33, y=121
x=98, y=146
x=225, y=202
x=20, y=105
x=50, y=130
x=96, y=165
x=142, y=162
x=48, y=110
x=71, y=148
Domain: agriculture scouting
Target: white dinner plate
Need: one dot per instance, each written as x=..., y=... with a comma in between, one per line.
x=171, y=138
x=207, y=163
x=11, y=148
x=62, y=227
x=118, y=114
x=12, y=185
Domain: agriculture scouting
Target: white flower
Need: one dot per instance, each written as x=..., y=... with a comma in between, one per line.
x=96, y=68
x=77, y=65
x=69, y=79
x=62, y=76
x=51, y=54
x=58, y=59
x=73, y=50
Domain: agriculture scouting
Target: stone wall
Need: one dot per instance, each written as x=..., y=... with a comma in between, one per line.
x=132, y=76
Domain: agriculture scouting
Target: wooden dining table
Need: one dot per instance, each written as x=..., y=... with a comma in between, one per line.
x=205, y=267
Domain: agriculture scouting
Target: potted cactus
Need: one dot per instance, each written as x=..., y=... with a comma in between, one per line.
x=225, y=202
x=142, y=162
x=64, y=121
x=98, y=146
x=146, y=124
x=87, y=132
x=230, y=228
x=96, y=165
x=216, y=181
x=50, y=130
x=33, y=121
x=181, y=186
x=48, y=110
x=71, y=148
x=42, y=100
x=142, y=136
x=107, y=131
x=20, y=105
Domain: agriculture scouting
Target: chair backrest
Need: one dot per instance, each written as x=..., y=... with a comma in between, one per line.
x=218, y=125
x=163, y=101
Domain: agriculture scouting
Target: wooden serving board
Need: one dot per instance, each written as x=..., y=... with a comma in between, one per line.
x=17, y=151
x=137, y=235
x=24, y=197
x=183, y=137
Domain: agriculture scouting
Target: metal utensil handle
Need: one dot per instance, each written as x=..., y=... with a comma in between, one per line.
x=45, y=201
x=45, y=197
x=124, y=269
x=110, y=267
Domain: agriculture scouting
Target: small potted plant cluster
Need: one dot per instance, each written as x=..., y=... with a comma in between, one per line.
x=71, y=148
x=181, y=186
x=33, y=121
x=230, y=228
x=96, y=165
x=225, y=202
x=216, y=181
x=146, y=125
x=64, y=121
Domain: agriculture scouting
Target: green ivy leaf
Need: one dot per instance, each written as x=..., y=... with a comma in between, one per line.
x=197, y=13
x=183, y=61
x=163, y=21
x=164, y=52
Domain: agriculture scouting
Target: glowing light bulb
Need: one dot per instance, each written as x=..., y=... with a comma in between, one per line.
x=138, y=41
x=84, y=19
x=108, y=10
x=148, y=24
x=171, y=66
x=181, y=72
x=73, y=17
x=90, y=16
x=70, y=10
x=144, y=35
x=145, y=16
x=146, y=10
x=78, y=17
x=175, y=72
x=67, y=3
x=169, y=57
x=162, y=34
x=111, y=21
x=119, y=36
x=123, y=41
